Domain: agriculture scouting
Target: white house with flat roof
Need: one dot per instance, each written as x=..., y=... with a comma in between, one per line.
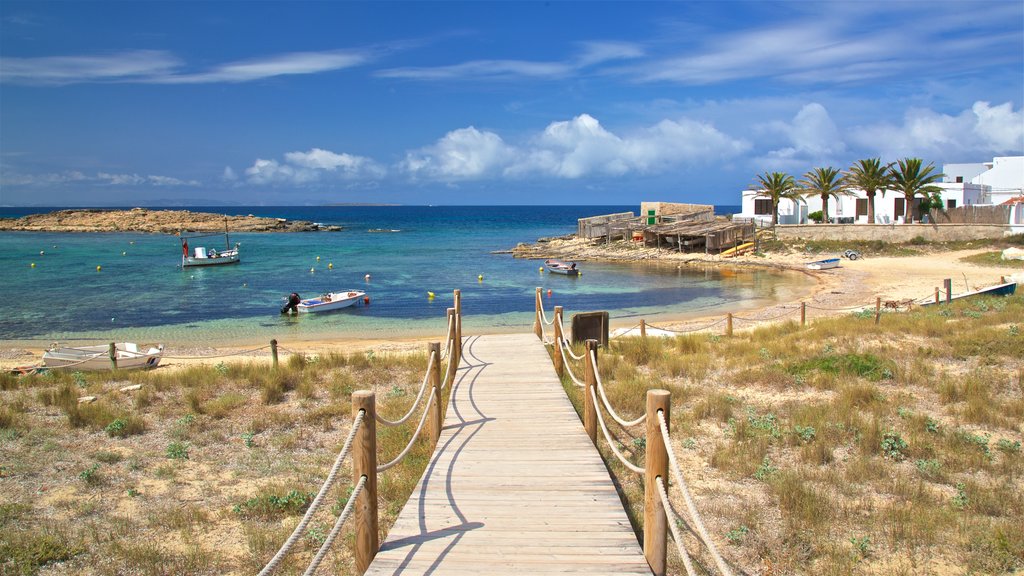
x=986, y=183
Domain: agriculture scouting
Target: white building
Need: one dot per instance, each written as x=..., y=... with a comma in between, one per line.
x=987, y=183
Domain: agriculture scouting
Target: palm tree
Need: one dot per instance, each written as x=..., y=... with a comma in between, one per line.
x=823, y=183
x=871, y=177
x=911, y=180
x=777, y=186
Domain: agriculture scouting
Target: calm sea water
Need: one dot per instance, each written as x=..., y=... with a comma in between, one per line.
x=142, y=294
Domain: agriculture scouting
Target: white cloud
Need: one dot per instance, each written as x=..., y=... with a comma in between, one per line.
x=572, y=149
x=492, y=69
x=311, y=166
x=276, y=65
x=982, y=130
x=101, y=178
x=811, y=138
x=169, y=181
x=229, y=174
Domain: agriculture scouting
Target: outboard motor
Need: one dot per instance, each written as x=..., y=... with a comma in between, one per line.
x=293, y=303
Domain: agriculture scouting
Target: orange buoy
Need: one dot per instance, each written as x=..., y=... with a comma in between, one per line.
x=549, y=292
x=366, y=300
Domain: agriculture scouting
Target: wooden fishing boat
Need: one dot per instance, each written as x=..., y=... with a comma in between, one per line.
x=330, y=301
x=559, y=267
x=127, y=356
x=202, y=256
x=1004, y=289
x=823, y=264
x=736, y=251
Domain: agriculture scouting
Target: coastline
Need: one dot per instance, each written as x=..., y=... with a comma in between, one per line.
x=898, y=281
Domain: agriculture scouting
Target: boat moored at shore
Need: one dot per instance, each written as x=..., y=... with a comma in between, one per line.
x=559, y=267
x=126, y=356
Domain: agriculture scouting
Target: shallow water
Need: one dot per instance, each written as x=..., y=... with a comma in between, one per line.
x=142, y=294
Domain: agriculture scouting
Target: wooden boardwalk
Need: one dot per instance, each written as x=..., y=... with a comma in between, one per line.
x=515, y=485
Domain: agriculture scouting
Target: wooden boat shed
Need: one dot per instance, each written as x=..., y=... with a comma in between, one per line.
x=682, y=227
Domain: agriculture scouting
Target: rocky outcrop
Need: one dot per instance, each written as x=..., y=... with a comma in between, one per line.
x=153, y=221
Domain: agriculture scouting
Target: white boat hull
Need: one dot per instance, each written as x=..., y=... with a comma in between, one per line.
x=331, y=301
x=93, y=358
x=226, y=257
x=823, y=264
x=556, y=267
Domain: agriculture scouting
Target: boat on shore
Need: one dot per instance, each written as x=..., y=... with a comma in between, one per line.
x=559, y=267
x=738, y=250
x=330, y=301
x=823, y=264
x=1004, y=289
x=202, y=256
x=127, y=356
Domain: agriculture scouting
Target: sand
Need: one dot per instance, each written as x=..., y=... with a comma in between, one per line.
x=898, y=281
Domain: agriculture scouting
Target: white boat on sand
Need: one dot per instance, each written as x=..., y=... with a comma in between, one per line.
x=127, y=356
x=823, y=264
x=330, y=301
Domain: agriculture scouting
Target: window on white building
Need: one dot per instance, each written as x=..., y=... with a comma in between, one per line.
x=950, y=203
x=862, y=206
x=762, y=207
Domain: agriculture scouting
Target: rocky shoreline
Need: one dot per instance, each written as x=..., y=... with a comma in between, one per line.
x=153, y=221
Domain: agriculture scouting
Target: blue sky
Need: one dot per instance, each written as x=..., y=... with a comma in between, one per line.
x=149, y=103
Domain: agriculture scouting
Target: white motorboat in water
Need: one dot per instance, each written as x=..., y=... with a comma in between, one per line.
x=330, y=301
x=127, y=356
x=559, y=267
x=202, y=256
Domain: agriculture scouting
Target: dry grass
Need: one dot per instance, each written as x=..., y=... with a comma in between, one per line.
x=846, y=447
x=204, y=470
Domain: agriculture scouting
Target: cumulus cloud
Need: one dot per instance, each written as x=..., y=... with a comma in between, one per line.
x=229, y=174
x=100, y=178
x=811, y=137
x=576, y=148
x=982, y=130
x=311, y=166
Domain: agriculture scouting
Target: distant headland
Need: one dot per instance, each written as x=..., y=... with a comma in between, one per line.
x=152, y=221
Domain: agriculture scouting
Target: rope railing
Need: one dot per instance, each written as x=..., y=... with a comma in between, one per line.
x=415, y=403
x=415, y=435
x=568, y=368
x=317, y=501
x=448, y=337
x=336, y=529
x=690, y=506
x=611, y=441
x=604, y=399
x=677, y=537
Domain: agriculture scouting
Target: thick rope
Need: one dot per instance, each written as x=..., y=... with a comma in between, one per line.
x=544, y=316
x=694, y=514
x=328, y=483
x=624, y=332
x=676, y=536
x=567, y=346
x=415, y=403
x=604, y=399
x=611, y=441
x=448, y=337
x=568, y=367
x=326, y=546
x=776, y=317
x=415, y=434
x=698, y=329
x=224, y=355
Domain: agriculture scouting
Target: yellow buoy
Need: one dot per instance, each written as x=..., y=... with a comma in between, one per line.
x=330, y=265
x=33, y=265
x=98, y=267
x=430, y=295
x=541, y=269
x=317, y=258
x=480, y=278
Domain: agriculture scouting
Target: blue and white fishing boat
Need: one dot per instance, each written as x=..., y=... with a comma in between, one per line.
x=823, y=264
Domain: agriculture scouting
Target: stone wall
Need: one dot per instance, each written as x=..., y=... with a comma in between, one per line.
x=890, y=233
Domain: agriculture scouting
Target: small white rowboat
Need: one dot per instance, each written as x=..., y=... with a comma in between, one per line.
x=330, y=301
x=88, y=358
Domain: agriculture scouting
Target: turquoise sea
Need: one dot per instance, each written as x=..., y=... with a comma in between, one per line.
x=142, y=294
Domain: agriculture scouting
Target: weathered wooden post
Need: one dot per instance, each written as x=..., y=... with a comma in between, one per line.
x=936, y=294
x=112, y=352
x=364, y=463
x=434, y=379
x=655, y=519
x=537, y=319
x=273, y=352
x=558, y=360
x=590, y=381
x=947, y=285
x=803, y=313
x=878, y=309
x=643, y=328
x=728, y=325
x=453, y=352
x=458, y=327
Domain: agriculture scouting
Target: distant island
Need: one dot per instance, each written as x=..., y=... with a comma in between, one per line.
x=360, y=204
x=153, y=221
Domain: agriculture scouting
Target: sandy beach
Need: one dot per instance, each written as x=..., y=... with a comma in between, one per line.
x=898, y=281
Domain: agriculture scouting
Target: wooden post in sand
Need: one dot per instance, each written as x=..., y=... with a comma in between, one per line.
x=878, y=309
x=655, y=519
x=936, y=294
x=434, y=379
x=112, y=352
x=803, y=313
x=728, y=325
x=559, y=364
x=536, y=315
x=643, y=328
x=589, y=391
x=458, y=327
x=947, y=284
x=453, y=364
x=364, y=463
x=273, y=353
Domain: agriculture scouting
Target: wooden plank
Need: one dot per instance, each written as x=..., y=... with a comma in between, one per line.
x=514, y=486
